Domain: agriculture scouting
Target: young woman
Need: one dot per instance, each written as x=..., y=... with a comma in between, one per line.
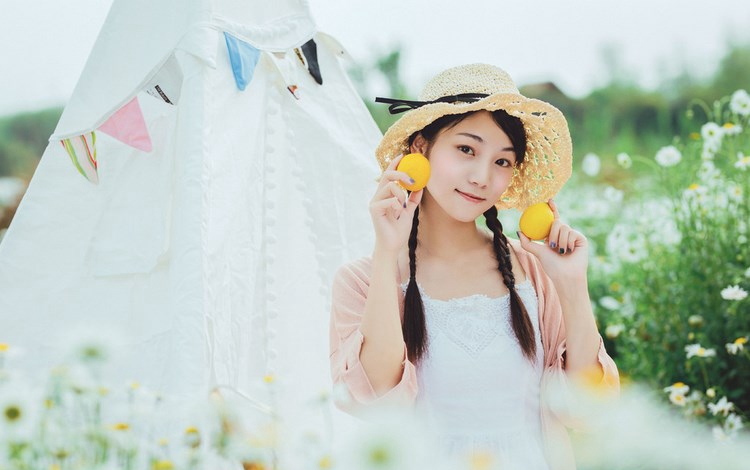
x=469, y=327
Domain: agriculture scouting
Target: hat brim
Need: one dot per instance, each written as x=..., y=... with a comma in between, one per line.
x=547, y=164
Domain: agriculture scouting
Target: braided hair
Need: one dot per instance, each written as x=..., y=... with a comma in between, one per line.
x=414, y=327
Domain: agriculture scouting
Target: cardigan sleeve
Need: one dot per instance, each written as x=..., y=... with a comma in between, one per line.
x=561, y=390
x=349, y=294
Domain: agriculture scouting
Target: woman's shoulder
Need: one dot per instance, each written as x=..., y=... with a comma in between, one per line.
x=356, y=271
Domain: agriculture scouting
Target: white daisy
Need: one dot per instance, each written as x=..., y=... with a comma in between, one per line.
x=711, y=392
x=718, y=433
x=17, y=412
x=733, y=424
x=733, y=293
x=743, y=161
x=698, y=350
x=737, y=345
x=610, y=303
x=677, y=399
x=710, y=148
x=740, y=103
x=712, y=131
x=613, y=194
x=731, y=129
x=722, y=406
x=668, y=156
x=613, y=331
x=678, y=387
x=624, y=160
x=591, y=164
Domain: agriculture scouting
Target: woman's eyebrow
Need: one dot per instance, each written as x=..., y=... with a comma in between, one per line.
x=473, y=136
x=481, y=140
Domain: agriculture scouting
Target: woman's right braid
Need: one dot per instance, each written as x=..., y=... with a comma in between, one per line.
x=519, y=316
x=414, y=327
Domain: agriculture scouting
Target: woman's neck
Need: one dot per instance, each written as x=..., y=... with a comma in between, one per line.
x=443, y=237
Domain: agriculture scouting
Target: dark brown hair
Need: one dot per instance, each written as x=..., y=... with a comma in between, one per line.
x=414, y=327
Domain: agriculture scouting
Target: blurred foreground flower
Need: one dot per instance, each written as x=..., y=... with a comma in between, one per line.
x=733, y=293
x=624, y=160
x=740, y=103
x=743, y=161
x=699, y=351
x=591, y=164
x=737, y=345
x=668, y=156
x=722, y=406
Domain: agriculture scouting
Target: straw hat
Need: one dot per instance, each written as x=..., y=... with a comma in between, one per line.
x=547, y=164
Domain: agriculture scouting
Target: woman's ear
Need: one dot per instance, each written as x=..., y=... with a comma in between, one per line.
x=419, y=145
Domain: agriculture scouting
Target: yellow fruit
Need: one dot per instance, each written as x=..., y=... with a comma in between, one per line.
x=536, y=221
x=417, y=167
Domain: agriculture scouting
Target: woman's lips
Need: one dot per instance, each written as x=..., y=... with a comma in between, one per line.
x=469, y=198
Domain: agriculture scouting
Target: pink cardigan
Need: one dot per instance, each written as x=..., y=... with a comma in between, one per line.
x=348, y=304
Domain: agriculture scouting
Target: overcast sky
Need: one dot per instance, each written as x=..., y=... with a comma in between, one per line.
x=44, y=43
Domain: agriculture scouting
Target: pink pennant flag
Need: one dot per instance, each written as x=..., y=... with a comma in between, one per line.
x=128, y=126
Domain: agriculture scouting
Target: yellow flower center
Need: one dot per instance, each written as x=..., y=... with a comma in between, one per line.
x=693, y=187
x=481, y=461
x=120, y=426
x=740, y=341
x=678, y=385
x=379, y=456
x=12, y=413
x=163, y=465
x=728, y=125
x=268, y=378
x=325, y=462
x=4, y=347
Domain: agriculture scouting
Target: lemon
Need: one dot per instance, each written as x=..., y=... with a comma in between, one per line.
x=417, y=167
x=536, y=221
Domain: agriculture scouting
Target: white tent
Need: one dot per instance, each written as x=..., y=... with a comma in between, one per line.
x=201, y=221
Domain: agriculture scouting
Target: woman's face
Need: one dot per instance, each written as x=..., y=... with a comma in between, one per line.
x=473, y=158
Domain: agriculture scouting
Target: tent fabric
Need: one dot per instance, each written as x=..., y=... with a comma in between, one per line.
x=209, y=258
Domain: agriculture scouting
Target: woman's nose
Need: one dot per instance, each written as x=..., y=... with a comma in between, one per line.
x=479, y=175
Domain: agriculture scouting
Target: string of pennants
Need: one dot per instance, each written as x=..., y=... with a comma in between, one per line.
x=128, y=125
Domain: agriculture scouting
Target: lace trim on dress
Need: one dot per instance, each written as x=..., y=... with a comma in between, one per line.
x=473, y=321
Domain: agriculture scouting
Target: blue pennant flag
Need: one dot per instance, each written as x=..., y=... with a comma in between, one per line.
x=244, y=58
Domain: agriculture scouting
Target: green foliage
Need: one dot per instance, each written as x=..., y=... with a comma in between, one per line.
x=666, y=258
x=23, y=138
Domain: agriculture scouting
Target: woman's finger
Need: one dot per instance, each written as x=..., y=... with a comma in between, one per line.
x=387, y=206
x=553, y=206
x=391, y=166
x=554, y=233
x=563, y=239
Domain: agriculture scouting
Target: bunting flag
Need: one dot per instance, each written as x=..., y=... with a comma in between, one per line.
x=310, y=49
x=243, y=58
x=128, y=126
x=166, y=85
x=82, y=152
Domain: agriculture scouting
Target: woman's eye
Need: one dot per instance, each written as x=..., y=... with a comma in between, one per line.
x=503, y=162
x=466, y=149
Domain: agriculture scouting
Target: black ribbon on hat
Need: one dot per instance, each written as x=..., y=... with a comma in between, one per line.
x=399, y=106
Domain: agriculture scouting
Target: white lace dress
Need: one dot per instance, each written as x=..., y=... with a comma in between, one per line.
x=476, y=389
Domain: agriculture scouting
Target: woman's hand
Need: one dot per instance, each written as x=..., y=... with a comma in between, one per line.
x=564, y=254
x=391, y=210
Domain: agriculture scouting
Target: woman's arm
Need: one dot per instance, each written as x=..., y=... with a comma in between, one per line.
x=582, y=345
x=383, y=349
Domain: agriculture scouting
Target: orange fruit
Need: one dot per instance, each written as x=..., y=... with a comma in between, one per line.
x=536, y=221
x=417, y=167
